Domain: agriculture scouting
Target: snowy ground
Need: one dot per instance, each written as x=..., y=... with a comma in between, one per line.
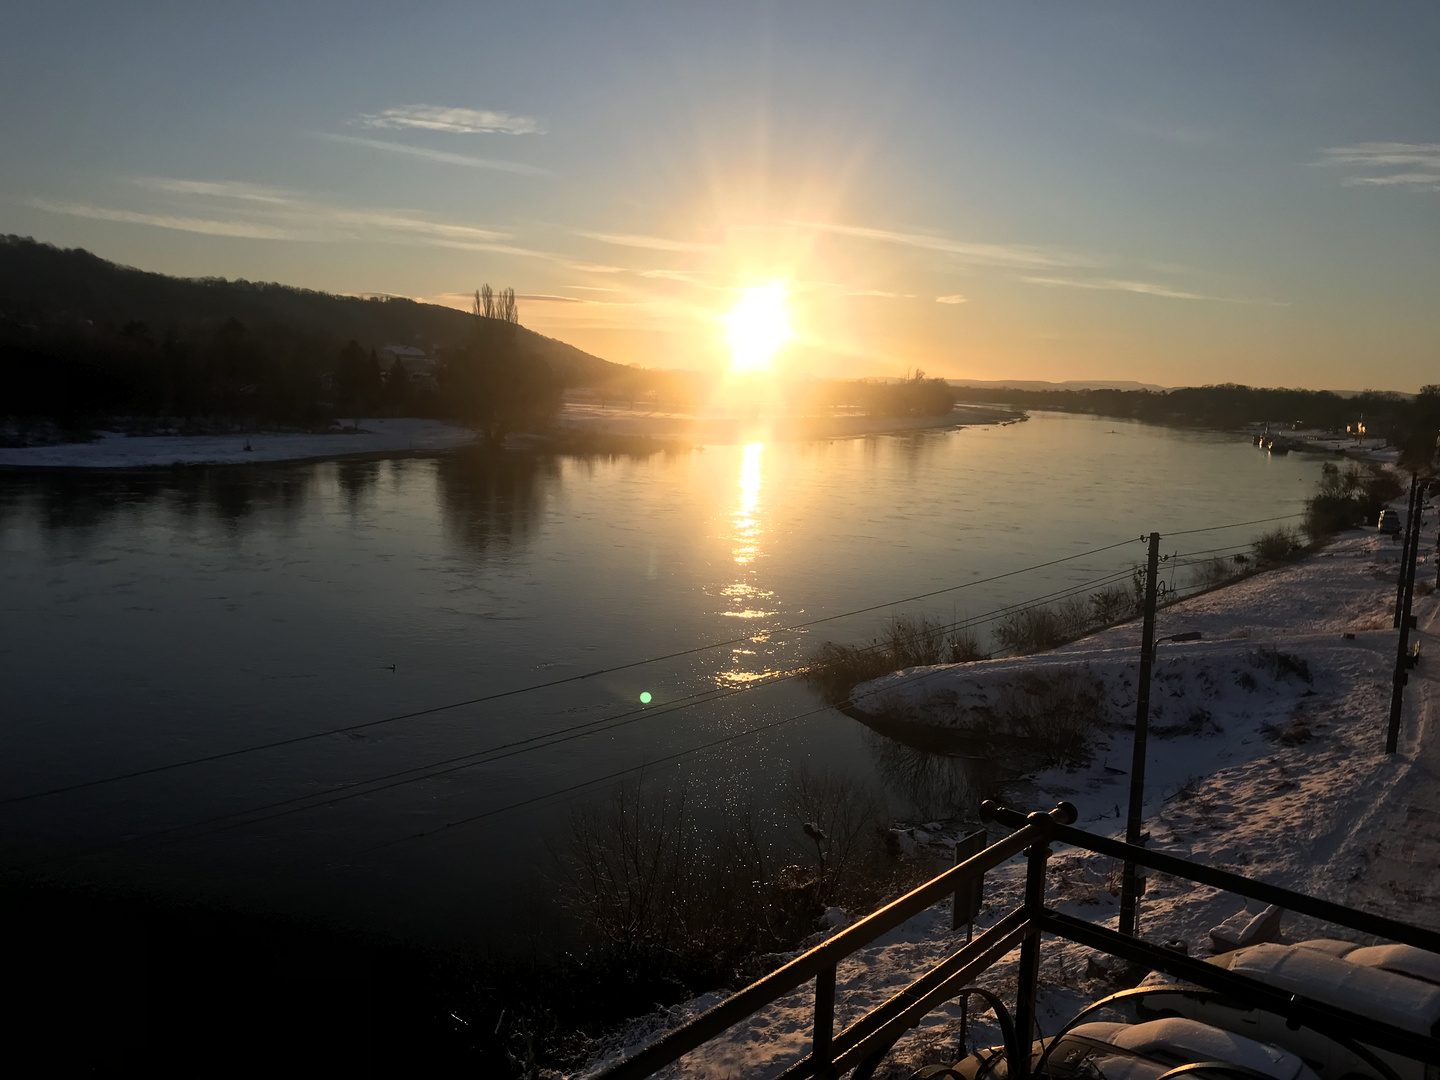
x=1250, y=768
x=115, y=451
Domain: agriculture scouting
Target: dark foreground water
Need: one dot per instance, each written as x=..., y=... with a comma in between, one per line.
x=154, y=618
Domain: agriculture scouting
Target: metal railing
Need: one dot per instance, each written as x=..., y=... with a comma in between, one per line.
x=862, y=1044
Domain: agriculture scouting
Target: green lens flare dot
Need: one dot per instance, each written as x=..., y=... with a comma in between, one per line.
x=644, y=697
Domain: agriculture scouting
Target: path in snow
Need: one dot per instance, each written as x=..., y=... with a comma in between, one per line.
x=1401, y=875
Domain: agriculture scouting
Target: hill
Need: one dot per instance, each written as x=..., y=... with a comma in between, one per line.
x=46, y=287
x=1072, y=384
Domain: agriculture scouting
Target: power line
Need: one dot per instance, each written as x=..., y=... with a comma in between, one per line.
x=490, y=755
x=1236, y=525
x=669, y=759
x=499, y=695
x=549, y=739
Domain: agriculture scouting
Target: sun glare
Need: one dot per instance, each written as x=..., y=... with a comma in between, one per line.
x=758, y=326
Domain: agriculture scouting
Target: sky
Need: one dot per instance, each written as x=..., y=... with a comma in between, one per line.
x=1173, y=193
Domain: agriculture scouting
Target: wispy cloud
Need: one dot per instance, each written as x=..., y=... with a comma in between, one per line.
x=220, y=189
x=456, y=120
x=1114, y=285
x=1016, y=255
x=1419, y=164
x=230, y=208
x=445, y=157
x=653, y=243
x=953, y=298
x=208, y=226
x=1146, y=288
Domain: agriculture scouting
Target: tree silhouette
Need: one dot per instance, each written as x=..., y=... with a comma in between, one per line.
x=492, y=305
x=492, y=383
x=397, y=386
x=358, y=386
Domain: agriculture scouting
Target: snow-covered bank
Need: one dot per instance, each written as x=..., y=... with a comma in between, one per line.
x=115, y=451
x=1266, y=758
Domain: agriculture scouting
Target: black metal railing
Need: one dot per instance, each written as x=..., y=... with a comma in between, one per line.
x=862, y=1044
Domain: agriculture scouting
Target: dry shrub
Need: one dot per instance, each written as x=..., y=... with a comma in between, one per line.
x=1297, y=731
x=906, y=641
x=1278, y=545
x=1075, y=616
x=1282, y=665
x=1197, y=723
x=658, y=892
x=1113, y=604
x=965, y=647
x=1030, y=630
x=844, y=825
x=1057, y=714
x=1213, y=572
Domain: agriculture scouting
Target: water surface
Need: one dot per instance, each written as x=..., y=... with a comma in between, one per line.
x=156, y=617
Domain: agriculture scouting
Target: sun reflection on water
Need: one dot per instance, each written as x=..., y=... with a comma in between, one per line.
x=747, y=527
x=747, y=599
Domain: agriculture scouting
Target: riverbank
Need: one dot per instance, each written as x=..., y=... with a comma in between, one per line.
x=1265, y=758
x=113, y=450
x=579, y=428
x=712, y=429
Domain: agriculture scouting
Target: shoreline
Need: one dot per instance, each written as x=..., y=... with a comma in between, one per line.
x=575, y=431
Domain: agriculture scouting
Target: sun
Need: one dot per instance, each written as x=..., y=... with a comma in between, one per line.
x=758, y=325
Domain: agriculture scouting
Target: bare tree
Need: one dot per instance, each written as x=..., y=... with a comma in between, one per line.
x=484, y=307
x=501, y=306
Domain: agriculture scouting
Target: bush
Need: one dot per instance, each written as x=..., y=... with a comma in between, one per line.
x=1213, y=572
x=1277, y=546
x=1074, y=615
x=1030, y=630
x=1349, y=499
x=654, y=889
x=1113, y=605
x=965, y=647
x=906, y=641
x=1282, y=664
x=843, y=823
x=1056, y=713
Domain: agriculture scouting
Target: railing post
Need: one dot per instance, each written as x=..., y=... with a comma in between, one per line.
x=1029, y=975
x=824, y=1020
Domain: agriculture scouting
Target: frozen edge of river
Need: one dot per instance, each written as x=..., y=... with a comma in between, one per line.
x=400, y=436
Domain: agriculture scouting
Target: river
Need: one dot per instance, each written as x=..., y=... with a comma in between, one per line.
x=156, y=617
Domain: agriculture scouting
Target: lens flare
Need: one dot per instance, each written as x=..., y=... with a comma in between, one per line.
x=758, y=326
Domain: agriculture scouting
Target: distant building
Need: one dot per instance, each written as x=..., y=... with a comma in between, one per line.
x=418, y=364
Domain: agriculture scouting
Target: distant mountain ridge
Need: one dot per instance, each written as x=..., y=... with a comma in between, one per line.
x=41, y=284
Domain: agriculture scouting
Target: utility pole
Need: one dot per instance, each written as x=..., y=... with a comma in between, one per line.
x=1129, y=887
x=1402, y=649
x=1412, y=506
